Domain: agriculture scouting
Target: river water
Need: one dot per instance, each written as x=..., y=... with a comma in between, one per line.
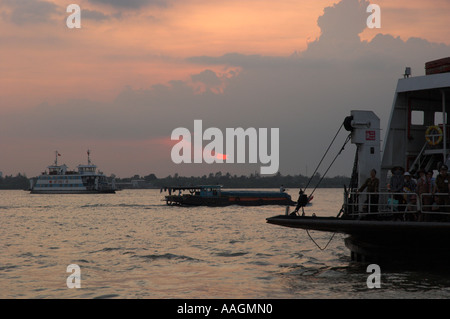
x=131, y=245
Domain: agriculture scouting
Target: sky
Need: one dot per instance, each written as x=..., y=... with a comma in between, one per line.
x=136, y=70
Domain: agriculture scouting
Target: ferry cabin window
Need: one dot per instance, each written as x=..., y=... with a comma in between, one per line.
x=417, y=118
x=438, y=118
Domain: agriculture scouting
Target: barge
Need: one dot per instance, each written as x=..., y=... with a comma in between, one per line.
x=206, y=195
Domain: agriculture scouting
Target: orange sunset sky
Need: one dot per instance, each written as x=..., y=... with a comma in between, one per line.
x=129, y=47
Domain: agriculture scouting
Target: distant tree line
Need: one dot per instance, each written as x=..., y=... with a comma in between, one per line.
x=234, y=181
x=21, y=181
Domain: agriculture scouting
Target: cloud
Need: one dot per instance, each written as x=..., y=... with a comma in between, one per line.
x=306, y=95
x=343, y=21
x=209, y=80
x=131, y=4
x=239, y=59
x=94, y=15
x=207, y=77
x=27, y=12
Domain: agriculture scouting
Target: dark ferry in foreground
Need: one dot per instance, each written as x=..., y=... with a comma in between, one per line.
x=214, y=196
x=392, y=223
x=60, y=180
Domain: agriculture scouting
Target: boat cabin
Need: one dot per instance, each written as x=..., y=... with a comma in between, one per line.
x=87, y=169
x=209, y=191
x=417, y=139
x=57, y=169
x=418, y=133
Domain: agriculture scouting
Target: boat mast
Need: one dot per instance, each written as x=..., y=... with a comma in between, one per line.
x=89, y=157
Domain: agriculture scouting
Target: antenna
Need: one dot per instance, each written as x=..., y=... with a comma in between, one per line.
x=56, y=157
x=89, y=157
x=407, y=72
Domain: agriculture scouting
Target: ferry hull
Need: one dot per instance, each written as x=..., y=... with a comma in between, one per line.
x=187, y=200
x=392, y=241
x=364, y=227
x=400, y=249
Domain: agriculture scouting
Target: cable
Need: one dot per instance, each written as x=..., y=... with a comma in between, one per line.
x=329, y=241
x=343, y=146
x=323, y=157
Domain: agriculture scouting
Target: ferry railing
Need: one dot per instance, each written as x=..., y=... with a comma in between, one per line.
x=438, y=203
x=360, y=204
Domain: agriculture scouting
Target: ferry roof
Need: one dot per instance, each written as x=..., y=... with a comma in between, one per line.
x=425, y=82
x=57, y=166
x=192, y=187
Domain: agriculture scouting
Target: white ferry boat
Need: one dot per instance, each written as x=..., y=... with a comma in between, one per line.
x=390, y=222
x=60, y=180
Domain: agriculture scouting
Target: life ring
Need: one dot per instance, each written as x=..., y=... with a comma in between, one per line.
x=433, y=135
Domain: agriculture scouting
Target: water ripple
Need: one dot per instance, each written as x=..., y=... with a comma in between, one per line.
x=131, y=246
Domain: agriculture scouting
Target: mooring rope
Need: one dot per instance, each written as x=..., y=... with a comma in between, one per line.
x=326, y=152
x=339, y=153
x=329, y=241
x=321, y=179
x=303, y=192
x=332, y=236
x=323, y=157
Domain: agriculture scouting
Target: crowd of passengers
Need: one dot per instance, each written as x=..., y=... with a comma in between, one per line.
x=433, y=192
